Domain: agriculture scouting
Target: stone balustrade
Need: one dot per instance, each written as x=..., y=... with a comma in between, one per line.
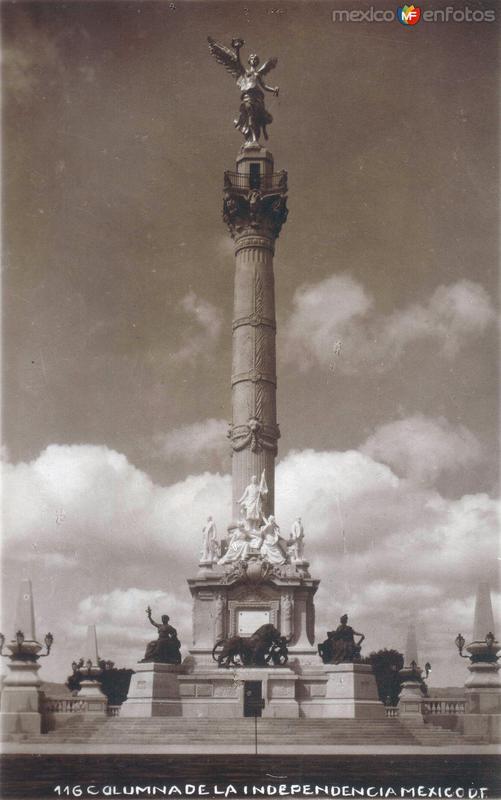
x=63, y=705
x=113, y=711
x=444, y=706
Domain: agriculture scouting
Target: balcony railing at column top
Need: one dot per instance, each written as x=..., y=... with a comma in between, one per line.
x=277, y=181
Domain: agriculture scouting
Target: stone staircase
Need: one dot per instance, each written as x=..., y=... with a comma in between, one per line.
x=192, y=732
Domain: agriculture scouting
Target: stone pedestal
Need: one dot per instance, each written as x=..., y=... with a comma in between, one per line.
x=153, y=691
x=487, y=726
x=411, y=697
x=96, y=703
x=162, y=690
x=410, y=701
x=483, y=688
x=219, y=694
x=351, y=692
x=228, y=603
x=280, y=693
x=19, y=708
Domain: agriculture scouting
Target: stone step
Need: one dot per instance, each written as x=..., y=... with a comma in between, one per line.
x=193, y=732
x=271, y=723
x=141, y=735
x=208, y=723
x=292, y=737
x=228, y=731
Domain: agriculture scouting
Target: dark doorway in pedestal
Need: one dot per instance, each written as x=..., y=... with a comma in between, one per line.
x=253, y=698
x=255, y=176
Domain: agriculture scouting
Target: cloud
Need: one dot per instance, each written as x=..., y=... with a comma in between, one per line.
x=76, y=501
x=191, y=442
x=387, y=548
x=36, y=63
x=334, y=323
x=203, y=334
x=422, y=447
x=120, y=616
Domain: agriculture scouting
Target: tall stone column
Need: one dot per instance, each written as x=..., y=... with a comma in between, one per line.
x=254, y=210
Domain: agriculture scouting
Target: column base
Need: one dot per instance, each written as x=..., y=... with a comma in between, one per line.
x=220, y=694
x=483, y=688
x=22, y=723
x=351, y=692
x=153, y=691
x=20, y=702
x=96, y=702
x=486, y=726
x=410, y=701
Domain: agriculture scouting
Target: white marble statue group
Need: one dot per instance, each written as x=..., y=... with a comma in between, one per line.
x=254, y=533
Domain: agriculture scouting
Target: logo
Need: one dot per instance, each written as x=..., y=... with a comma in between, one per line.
x=408, y=15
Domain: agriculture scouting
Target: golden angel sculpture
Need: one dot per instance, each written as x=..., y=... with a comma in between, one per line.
x=253, y=117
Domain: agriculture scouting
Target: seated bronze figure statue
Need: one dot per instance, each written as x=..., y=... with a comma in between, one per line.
x=340, y=646
x=167, y=648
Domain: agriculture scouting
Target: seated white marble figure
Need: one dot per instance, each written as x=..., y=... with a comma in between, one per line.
x=270, y=549
x=238, y=548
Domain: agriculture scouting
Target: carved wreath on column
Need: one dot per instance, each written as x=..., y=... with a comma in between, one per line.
x=252, y=434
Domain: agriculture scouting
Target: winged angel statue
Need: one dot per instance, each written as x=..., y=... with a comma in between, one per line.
x=253, y=117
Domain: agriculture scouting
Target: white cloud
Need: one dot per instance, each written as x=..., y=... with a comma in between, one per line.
x=36, y=63
x=190, y=442
x=335, y=324
x=321, y=316
x=85, y=502
x=386, y=548
x=203, y=334
x=422, y=447
x=120, y=616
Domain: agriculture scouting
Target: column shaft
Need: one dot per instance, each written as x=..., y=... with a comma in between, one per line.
x=254, y=209
x=253, y=377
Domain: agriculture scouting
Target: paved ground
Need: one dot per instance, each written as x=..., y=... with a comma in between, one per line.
x=67, y=748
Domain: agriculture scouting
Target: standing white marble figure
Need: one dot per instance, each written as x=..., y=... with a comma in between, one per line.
x=295, y=545
x=252, y=500
x=270, y=549
x=209, y=541
x=219, y=617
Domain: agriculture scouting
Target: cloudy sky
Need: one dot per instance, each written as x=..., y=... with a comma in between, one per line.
x=118, y=280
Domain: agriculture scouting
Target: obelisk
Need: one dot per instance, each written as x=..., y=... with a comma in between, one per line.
x=483, y=686
x=90, y=687
x=254, y=210
x=21, y=693
x=411, y=698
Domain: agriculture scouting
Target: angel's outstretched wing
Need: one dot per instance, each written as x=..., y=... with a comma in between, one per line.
x=228, y=58
x=268, y=66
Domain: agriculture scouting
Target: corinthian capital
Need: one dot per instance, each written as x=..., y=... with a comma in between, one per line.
x=260, y=210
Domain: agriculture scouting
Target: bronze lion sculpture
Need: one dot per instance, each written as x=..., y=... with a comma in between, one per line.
x=247, y=651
